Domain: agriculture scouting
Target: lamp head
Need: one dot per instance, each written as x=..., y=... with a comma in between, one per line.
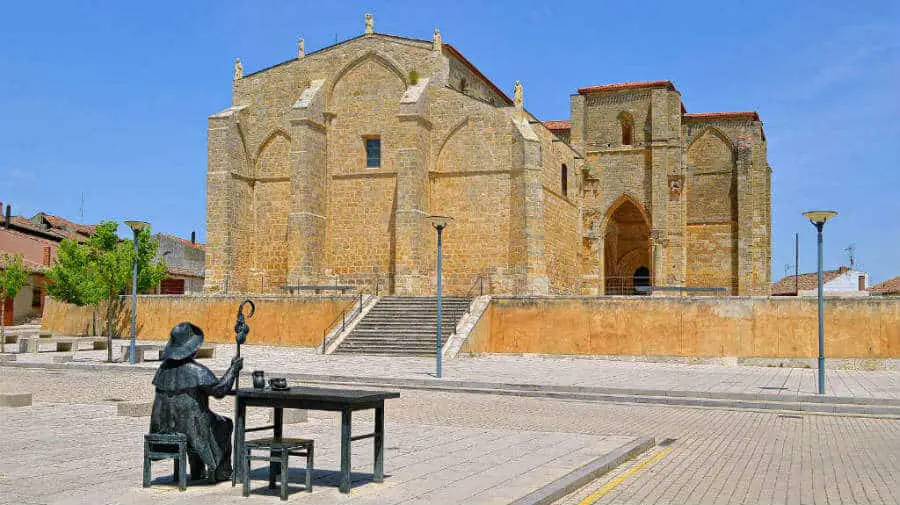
x=819, y=217
x=137, y=226
x=439, y=222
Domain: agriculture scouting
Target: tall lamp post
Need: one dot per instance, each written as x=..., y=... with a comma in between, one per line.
x=818, y=219
x=136, y=227
x=439, y=223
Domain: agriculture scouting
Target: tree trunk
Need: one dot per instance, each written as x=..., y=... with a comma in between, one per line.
x=2, y=321
x=109, y=332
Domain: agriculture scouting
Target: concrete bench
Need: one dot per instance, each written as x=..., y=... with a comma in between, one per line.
x=206, y=351
x=15, y=399
x=60, y=344
x=140, y=352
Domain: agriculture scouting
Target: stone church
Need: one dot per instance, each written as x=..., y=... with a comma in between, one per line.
x=325, y=167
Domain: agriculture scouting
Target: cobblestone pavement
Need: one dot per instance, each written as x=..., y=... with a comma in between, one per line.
x=557, y=371
x=718, y=456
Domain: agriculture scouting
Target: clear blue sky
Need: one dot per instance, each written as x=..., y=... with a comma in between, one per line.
x=110, y=99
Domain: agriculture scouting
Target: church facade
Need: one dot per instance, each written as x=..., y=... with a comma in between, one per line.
x=325, y=168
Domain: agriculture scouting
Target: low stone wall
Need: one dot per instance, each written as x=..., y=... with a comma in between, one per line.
x=743, y=327
x=279, y=320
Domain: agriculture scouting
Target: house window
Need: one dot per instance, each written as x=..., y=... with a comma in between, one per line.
x=462, y=85
x=564, y=176
x=627, y=123
x=373, y=152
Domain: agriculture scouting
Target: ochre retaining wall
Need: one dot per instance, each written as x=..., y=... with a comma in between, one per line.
x=279, y=320
x=698, y=326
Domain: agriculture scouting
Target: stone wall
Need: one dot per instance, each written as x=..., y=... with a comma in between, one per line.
x=697, y=327
x=279, y=320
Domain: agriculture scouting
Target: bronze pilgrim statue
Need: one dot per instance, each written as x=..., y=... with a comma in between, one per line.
x=181, y=404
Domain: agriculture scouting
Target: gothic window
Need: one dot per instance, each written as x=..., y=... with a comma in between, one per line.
x=373, y=152
x=627, y=123
x=564, y=176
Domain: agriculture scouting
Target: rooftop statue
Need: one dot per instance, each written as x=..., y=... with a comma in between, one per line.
x=238, y=69
x=370, y=23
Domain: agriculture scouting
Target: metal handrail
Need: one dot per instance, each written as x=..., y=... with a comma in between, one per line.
x=343, y=316
x=479, y=281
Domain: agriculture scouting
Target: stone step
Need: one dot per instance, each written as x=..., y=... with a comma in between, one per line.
x=404, y=326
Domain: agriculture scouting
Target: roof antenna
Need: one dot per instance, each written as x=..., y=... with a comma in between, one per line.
x=851, y=252
x=81, y=209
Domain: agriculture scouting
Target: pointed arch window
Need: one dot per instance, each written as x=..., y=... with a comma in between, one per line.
x=626, y=121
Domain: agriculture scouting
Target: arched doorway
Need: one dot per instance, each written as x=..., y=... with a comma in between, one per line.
x=626, y=254
x=641, y=279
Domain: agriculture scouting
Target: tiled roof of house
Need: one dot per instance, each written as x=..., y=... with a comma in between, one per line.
x=627, y=85
x=184, y=241
x=184, y=272
x=69, y=227
x=713, y=115
x=888, y=287
x=805, y=282
x=35, y=268
x=563, y=124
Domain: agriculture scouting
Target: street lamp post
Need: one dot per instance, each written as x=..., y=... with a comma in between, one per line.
x=136, y=227
x=818, y=219
x=439, y=223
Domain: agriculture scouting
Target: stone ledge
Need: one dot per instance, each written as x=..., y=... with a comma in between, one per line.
x=591, y=471
x=15, y=399
x=291, y=416
x=134, y=409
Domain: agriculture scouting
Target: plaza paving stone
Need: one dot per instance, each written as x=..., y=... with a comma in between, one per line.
x=719, y=456
x=699, y=379
x=82, y=453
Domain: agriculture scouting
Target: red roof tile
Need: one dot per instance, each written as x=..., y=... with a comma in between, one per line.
x=627, y=85
x=563, y=124
x=805, y=282
x=888, y=287
x=711, y=115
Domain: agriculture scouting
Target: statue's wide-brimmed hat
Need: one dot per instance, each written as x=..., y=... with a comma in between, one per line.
x=184, y=340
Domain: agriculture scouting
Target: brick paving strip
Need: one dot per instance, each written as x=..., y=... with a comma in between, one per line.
x=871, y=393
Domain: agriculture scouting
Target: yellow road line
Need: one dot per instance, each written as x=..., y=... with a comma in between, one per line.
x=609, y=486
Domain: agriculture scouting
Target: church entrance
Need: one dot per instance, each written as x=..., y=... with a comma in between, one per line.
x=626, y=254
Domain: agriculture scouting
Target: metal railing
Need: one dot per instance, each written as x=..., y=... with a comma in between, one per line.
x=348, y=312
x=626, y=285
x=478, y=283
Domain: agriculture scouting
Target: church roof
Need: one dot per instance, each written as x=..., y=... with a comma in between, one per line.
x=627, y=85
x=712, y=115
x=562, y=124
x=453, y=51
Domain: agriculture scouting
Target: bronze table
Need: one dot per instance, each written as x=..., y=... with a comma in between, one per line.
x=344, y=401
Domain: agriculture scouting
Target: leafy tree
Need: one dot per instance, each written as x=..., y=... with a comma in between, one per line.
x=13, y=277
x=101, y=269
x=70, y=279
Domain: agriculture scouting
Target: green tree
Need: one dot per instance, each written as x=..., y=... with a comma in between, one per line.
x=13, y=277
x=101, y=269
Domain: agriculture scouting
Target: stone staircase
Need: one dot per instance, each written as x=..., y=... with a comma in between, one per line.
x=404, y=326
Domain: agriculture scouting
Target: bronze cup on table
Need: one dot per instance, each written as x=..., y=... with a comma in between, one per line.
x=259, y=379
x=278, y=383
